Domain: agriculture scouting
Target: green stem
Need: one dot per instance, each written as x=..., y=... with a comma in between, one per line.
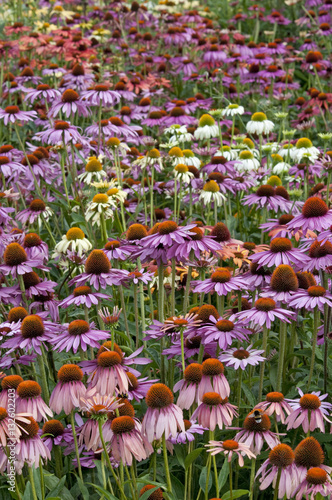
x=32, y=482
x=108, y=461
x=42, y=372
x=282, y=347
x=72, y=421
x=252, y=479
x=262, y=367
x=167, y=473
x=276, y=489
x=230, y=480
x=314, y=345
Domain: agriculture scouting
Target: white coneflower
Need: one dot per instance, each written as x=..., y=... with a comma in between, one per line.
x=247, y=162
x=285, y=151
x=116, y=193
x=279, y=165
x=259, y=124
x=190, y=159
x=228, y=153
x=100, y=206
x=152, y=159
x=211, y=193
x=181, y=173
x=74, y=241
x=60, y=12
x=207, y=128
x=179, y=134
x=304, y=149
x=115, y=144
x=233, y=109
x=176, y=155
x=93, y=171
x=270, y=147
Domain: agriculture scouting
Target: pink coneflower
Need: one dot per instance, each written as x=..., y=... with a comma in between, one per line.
x=8, y=382
x=118, y=127
x=35, y=247
x=61, y=133
x=29, y=400
x=275, y=403
x=281, y=252
x=128, y=442
x=230, y=448
x=178, y=116
x=242, y=357
x=309, y=411
x=280, y=464
x=37, y=211
x=117, y=250
x=9, y=428
x=11, y=114
x=264, y=312
x=10, y=168
x=108, y=375
x=32, y=334
x=96, y=408
x=138, y=387
x=188, y=436
x=69, y=104
x=213, y=378
x=314, y=296
x=256, y=431
x=320, y=256
x=78, y=335
x=283, y=285
x=224, y=332
x=197, y=243
x=315, y=216
x=188, y=324
x=309, y=453
x=214, y=411
x=101, y=95
x=221, y=282
x=30, y=449
x=163, y=417
x=54, y=434
x=189, y=386
x=83, y=295
x=317, y=481
x=69, y=390
x=267, y=196
x=16, y=261
x=220, y=164
x=257, y=277
x=98, y=272
x=43, y=92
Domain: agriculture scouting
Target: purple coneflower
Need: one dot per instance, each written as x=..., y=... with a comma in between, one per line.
x=320, y=256
x=8, y=383
x=230, y=448
x=189, y=386
x=214, y=411
x=35, y=247
x=83, y=295
x=224, y=332
x=280, y=471
x=11, y=114
x=9, y=428
x=163, y=417
x=30, y=449
x=283, y=285
x=128, y=442
x=109, y=374
x=281, y=252
x=264, y=312
x=43, y=92
x=213, y=378
x=196, y=244
x=317, y=481
x=221, y=282
x=101, y=95
x=309, y=411
x=61, y=133
x=33, y=333
x=275, y=403
x=188, y=436
x=315, y=216
x=309, y=453
x=138, y=387
x=256, y=431
x=78, y=335
x=16, y=261
x=314, y=296
x=69, y=390
x=117, y=250
x=242, y=357
x=29, y=400
x=37, y=210
x=69, y=104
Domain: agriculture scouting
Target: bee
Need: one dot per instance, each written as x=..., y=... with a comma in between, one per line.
x=257, y=415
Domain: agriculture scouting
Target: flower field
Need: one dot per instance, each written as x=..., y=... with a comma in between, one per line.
x=165, y=250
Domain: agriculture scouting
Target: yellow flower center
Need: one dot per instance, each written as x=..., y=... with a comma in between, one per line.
x=100, y=198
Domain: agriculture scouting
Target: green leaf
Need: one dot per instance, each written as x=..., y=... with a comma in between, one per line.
x=180, y=454
x=56, y=486
x=248, y=394
x=236, y=494
x=192, y=457
x=223, y=474
x=106, y=494
x=202, y=480
x=146, y=495
x=28, y=492
x=83, y=489
x=178, y=487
